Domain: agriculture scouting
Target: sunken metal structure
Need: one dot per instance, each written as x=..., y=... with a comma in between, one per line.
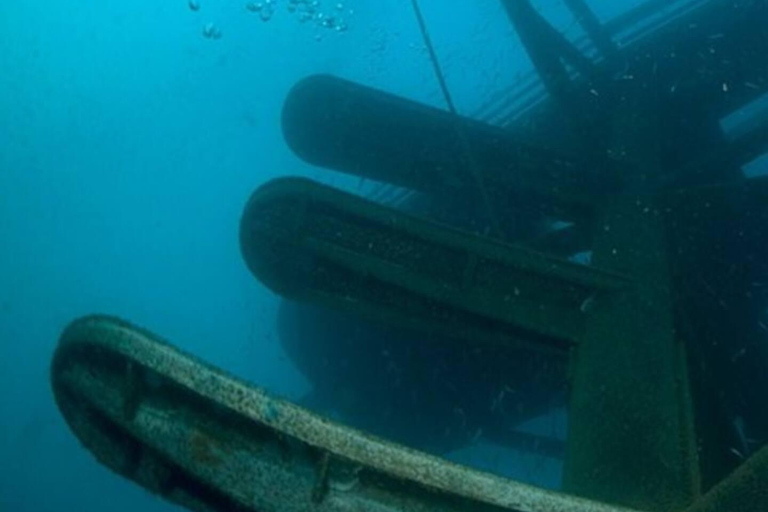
x=617, y=143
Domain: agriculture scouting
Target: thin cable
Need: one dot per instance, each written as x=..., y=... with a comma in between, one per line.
x=474, y=168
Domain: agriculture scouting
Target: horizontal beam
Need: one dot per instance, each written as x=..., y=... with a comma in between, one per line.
x=312, y=243
x=337, y=124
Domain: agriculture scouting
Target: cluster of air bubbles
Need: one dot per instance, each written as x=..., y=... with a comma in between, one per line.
x=324, y=14
x=265, y=9
x=327, y=17
x=332, y=17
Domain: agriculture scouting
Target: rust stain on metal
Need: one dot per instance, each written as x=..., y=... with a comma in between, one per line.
x=205, y=449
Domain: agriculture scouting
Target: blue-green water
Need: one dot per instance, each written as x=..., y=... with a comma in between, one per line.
x=131, y=136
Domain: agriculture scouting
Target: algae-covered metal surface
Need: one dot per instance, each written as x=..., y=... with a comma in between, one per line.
x=745, y=490
x=210, y=442
x=631, y=432
x=310, y=242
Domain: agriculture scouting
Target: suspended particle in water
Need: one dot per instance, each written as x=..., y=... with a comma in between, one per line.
x=254, y=6
x=266, y=13
x=211, y=31
x=194, y=5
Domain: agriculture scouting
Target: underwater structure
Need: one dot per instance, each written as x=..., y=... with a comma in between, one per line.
x=628, y=145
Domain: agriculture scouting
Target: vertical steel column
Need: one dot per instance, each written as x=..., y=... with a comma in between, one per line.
x=631, y=439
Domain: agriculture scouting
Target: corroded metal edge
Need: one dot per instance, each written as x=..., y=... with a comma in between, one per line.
x=206, y=440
